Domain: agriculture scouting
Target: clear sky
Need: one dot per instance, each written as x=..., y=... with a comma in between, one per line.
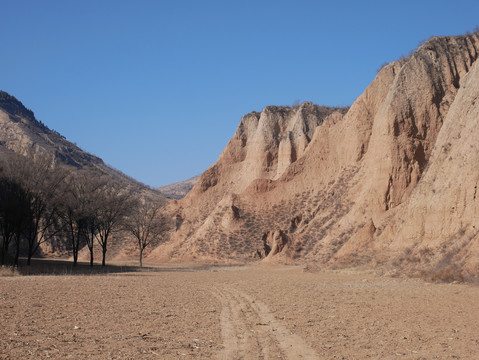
x=156, y=88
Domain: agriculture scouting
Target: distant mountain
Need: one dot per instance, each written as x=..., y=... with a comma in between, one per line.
x=179, y=189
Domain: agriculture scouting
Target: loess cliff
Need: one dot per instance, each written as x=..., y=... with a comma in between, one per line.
x=391, y=181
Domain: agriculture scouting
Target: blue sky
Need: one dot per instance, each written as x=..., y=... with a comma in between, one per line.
x=157, y=88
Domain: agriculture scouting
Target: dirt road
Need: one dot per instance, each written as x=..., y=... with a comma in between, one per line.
x=236, y=313
x=249, y=330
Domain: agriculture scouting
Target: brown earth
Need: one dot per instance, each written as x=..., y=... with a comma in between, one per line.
x=236, y=312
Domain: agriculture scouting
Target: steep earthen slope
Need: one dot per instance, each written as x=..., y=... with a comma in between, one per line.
x=263, y=147
x=347, y=188
x=437, y=228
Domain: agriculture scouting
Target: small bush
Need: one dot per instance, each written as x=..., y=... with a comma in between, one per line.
x=447, y=274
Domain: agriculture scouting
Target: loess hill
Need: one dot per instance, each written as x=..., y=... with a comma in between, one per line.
x=390, y=182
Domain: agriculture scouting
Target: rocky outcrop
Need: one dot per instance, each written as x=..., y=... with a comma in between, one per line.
x=394, y=172
x=277, y=245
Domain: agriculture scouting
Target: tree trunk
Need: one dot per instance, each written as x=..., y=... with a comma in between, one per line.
x=17, y=253
x=76, y=245
x=30, y=253
x=91, y=256
x=141, y=257
x=104, y=255
x=5, y=251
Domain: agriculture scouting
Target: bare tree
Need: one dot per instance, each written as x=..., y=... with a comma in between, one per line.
x=14, y=216
x=90, y=230
x=42, y=182
x=72, y=227
x=79, y=211
x=146, y=224
x=6, y=225
x=114, y=205
x=21, y=217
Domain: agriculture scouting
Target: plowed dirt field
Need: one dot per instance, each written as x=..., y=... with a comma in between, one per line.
x=249, y=312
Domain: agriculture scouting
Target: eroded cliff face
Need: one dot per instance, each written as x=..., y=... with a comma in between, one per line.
x=436, y=229
x=346, y=188
x=263, y=147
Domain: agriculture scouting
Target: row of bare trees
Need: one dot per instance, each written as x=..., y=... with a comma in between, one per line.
x=40, y=202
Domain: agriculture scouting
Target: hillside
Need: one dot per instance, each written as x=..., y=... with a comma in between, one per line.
x=389, y=182
x=179, y=189
x=21, y=133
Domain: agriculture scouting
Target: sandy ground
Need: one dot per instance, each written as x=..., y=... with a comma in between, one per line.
x=236, y=313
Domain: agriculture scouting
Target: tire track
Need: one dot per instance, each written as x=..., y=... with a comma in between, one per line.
x=250, y=331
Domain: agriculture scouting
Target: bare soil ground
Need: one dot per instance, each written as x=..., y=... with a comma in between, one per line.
x=250, y=312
